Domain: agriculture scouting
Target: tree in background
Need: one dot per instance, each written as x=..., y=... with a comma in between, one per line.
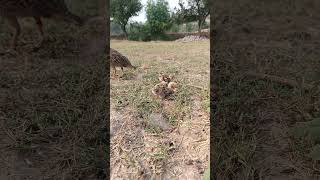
x=196, y=10
x=123, y=10
x=158, y=16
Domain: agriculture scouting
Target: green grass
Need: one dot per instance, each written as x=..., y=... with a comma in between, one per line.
x=189, y=64
x=138, y=94
x=55, y=100
x=254, y=116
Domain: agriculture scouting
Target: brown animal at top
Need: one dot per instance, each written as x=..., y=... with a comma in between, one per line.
x=55, y=9
x=119, y=60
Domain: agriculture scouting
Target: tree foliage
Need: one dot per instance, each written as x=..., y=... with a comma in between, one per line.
x=139, y=32
x=195, y=10
x=123, y=10
x=158, y=16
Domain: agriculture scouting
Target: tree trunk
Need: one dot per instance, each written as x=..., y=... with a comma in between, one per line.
x=199, y=27
x=125, y=31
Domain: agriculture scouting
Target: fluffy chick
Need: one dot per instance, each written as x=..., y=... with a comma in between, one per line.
x=173, y=86
x=164, y=89
x=164, y=77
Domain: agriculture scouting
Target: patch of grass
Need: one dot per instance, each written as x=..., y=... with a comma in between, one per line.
x=205, y=96
x=139, y=94
x=54, y=105
x=253, y=116
x=153, y=58
x=153, y=129
x=182, y=100
x=161, y=152
x=128, y=75
x=172, y=118
x=309, y=133
x=73, y=102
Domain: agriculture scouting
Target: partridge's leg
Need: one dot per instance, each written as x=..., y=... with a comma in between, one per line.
x=13, y=21
x=115, y=70
x=40, y=29
x=122, y=71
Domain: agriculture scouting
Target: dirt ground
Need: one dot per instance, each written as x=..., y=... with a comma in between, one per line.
x=160, y=139
x=255, y=113
x=52, y=103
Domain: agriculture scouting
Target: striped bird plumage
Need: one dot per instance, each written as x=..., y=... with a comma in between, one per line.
x=119, y=60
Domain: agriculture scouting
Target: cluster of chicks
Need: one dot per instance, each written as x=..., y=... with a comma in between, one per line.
x=162, y=90
x=165, y=88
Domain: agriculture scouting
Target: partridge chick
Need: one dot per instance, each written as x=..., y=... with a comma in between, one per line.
x=173, y=86
x=165, y=77
x=164, y=89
